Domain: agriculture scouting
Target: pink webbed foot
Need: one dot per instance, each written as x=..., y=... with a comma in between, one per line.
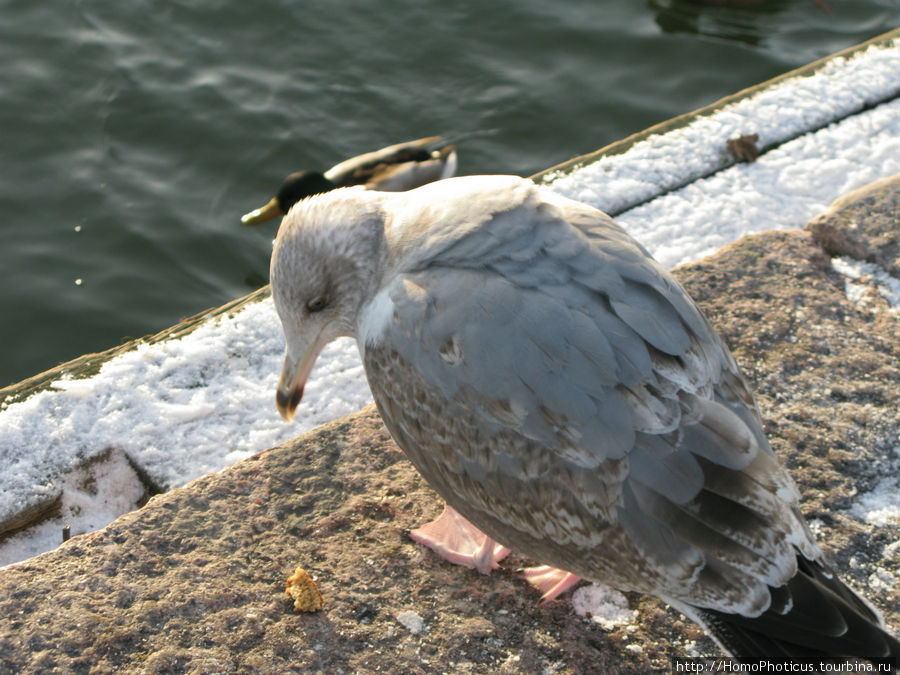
x=550, y=581
x=456, y=540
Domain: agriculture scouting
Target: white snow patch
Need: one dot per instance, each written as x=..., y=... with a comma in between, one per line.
x=783, y=189
x=605, y=605
x=92, y=495
x=881, y=506
x=883, y=581
x=179, y=409
x=412, y=622
x=870, y=276
x=776, y=114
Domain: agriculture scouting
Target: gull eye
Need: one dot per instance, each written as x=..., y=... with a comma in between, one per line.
x=317, y=304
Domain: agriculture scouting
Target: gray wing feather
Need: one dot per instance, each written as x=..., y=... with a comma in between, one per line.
x=513, y=348
x=654, y=463
x=574, y=345
x=553, y=324
x=652, y=317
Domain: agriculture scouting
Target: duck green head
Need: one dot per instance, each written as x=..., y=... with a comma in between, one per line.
x=295, y=187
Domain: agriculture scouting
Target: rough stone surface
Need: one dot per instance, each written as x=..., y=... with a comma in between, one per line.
x=863, y=225
x=194, y=581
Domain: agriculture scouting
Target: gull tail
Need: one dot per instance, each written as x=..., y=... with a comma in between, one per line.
x=814, y=616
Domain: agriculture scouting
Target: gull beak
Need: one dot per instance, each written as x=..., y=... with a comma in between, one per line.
x=262, y=214
x=293, y=379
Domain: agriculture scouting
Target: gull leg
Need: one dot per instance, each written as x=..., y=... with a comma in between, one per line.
x=456, y=540
x=550, y=581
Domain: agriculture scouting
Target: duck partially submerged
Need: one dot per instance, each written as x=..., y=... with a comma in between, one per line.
x=396, y=168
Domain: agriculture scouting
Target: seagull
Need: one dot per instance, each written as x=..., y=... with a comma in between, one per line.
x=569, y=401
x=396, y=168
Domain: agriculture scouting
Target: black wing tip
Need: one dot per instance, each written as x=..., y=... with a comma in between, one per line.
x=747, y=645
x=823, y=620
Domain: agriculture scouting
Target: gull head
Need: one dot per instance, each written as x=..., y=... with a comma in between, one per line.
x=324, y=269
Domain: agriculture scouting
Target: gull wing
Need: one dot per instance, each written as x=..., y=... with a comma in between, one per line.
x=546, y=357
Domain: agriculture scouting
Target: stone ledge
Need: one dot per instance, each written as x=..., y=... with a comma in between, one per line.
x=863, y=225
x=88, y=364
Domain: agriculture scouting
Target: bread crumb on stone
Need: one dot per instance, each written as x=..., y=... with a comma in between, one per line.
x=302, y=588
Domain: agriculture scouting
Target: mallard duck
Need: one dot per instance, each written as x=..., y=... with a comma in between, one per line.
x=396, y=168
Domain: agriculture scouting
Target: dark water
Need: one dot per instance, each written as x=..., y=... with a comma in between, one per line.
x=135, y=134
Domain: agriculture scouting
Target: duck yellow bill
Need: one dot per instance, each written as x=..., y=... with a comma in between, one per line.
x=263, y=213
x=293, y=379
